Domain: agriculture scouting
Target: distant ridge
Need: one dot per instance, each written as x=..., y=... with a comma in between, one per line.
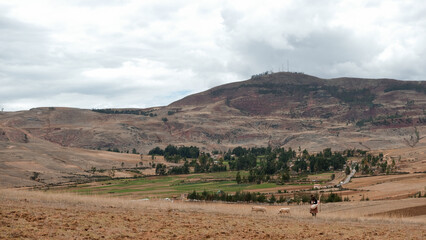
x=280, y=109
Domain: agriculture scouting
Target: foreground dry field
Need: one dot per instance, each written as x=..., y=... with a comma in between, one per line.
x=37, y=215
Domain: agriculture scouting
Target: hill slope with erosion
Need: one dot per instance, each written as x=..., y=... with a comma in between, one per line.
x=281, y=109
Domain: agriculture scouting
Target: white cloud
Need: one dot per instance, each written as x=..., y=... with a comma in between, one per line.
x=144, y=53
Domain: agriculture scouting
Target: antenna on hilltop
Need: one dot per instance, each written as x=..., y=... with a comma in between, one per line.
x=288, y=68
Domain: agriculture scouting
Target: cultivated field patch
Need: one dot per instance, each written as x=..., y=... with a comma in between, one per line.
x=176, y=185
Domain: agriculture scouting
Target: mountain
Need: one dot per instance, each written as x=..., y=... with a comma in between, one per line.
x=283, y=109
x=280, y=109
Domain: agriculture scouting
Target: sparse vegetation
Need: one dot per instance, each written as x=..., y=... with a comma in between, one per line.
x=35, y=176
x=332, y=197
x=414, y=138
x=125, y=111
x=406, y=86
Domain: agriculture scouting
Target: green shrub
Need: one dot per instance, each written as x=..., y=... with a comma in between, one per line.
x=333, y=197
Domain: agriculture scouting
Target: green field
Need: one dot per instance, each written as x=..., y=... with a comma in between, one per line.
x=170, y=186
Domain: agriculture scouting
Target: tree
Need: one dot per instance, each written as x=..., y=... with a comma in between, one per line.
x=238, y=178
x=272, y=199
x=383, y=167
x=134, y=151
x=327, y=152
x=348, y=170
x=156, y=151
x=192, y=195
x=252, y=176
x=239, y=151
x=285, y=176
x=333, y=197
x=160, y=169
x=300, y=164
x=261, y=198
x=366, y=169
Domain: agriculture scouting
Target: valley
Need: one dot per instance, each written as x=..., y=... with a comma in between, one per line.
x=275, y=139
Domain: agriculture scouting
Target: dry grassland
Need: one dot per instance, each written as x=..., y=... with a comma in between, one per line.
x=388, y=186
x=38, y=215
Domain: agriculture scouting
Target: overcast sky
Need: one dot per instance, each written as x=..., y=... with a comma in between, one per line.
x=101, y=54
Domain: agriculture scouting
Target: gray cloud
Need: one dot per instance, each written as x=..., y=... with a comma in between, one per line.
x=140, y=54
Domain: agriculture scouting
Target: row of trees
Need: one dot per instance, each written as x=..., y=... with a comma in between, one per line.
x=264, y=163
x=256, y=175
x=125, y=111
x=161, y=169
x=175, y=154
x=326, y=159
x=259, y=197
x=375, y=164
x=271, y=160
x=205, y=163
x=277, y=160
x=237, y=197
x=134, y=151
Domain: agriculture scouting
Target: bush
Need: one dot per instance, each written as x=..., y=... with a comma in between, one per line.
x=272, y=199
x=261, y=198
x=35, y=176
x=333, y=197
x=305, y=198
x=238, y=178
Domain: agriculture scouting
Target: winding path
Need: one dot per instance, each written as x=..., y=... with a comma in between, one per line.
x=348, y=178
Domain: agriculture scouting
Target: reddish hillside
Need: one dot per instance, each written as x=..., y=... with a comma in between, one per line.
x=283, y=109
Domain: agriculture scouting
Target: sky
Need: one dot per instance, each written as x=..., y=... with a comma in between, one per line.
x=122, y=54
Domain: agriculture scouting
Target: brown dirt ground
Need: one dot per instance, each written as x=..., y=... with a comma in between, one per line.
x=388, y=186
x=409, y=212
x=35, y=215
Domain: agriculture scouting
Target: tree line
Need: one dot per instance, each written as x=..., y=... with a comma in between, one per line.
x=263, y=163
x=266, y=163
x=125, y=111
x=259, y=197
x=174, y=154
